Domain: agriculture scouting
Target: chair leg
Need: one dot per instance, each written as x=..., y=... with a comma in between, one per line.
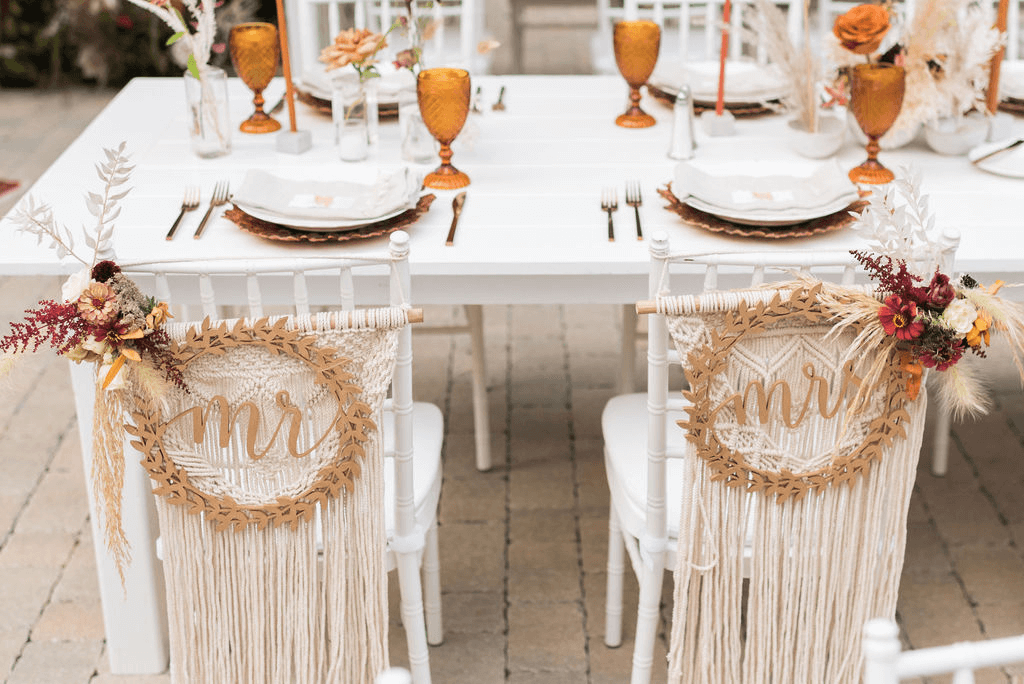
x=627, y=351
x=647, y=617
x=432, y=588
x=940, y=447
x=481, y=412
x=412, y=616
x=616, y=569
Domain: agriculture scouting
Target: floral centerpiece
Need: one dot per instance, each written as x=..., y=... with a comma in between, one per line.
x=357, y=47
x=101, y=317
x=945, y=50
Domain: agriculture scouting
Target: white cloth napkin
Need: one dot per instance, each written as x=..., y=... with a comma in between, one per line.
x=1011, y=80
x=823, y=184
x=328, y=200
x=389, y=84
x=744, y=81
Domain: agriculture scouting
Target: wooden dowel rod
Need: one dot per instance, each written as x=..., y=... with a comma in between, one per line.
x=415, y=315
x=646, y=307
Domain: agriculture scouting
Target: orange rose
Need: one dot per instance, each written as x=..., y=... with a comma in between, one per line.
x=862, y=28
x=352, y=46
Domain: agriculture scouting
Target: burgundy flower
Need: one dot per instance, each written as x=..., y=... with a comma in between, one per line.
x=940, y=293
x=405, y=59
x=942, y=358
x=898, y=318
x=125, y=22
x=104, y=271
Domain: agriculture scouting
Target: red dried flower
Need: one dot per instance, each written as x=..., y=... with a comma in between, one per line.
x=104, y=271
x=125, y=22
x=940, y=293
x=58, y=325
x=898, y=317
x=942, y=358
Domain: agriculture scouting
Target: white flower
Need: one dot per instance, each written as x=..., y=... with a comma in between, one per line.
x=98, y=347
x=960, y=316
x=75, y=285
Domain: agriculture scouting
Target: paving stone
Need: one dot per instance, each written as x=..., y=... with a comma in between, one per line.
x=473, y=612
x=545, y=636
x=12, y=642
x=993, y=575
x=37, y=550
x=47, y=662
x=473, y=556
x=68, y=620
x=479, y=497
x=552, y=677
x=541, y=526
x=541, y=486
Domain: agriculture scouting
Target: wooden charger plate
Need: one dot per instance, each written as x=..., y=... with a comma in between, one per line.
x=710, y=222
x=277, y=232
x=740, y=110
x=1012, y=105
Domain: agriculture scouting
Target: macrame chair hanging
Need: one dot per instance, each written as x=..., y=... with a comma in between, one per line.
x=269, y=485
x=795, y=501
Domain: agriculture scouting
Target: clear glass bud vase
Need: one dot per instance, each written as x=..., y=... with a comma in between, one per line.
x=208, y=118
x=350, y=111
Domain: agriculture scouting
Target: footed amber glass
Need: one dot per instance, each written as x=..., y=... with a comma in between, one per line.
x=443, y=95
x=636, y=53
x=254, y=54
x=876, y=96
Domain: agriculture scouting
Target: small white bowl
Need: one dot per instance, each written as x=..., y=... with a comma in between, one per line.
x=823, y=143
x=956, y=137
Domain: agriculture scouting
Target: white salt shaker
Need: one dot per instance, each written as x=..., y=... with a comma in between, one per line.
x=683, y=142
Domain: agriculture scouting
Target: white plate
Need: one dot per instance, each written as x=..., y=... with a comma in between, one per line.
x=1009, y=163
x=784, y=217
x=391, y=82
x=745, y=82
x=1011, y=80
x=320, y=225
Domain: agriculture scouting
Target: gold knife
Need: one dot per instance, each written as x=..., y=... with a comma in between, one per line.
x=1005, y=148
x=457, y=203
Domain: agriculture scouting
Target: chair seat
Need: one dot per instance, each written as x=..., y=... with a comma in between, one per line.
x=624, y=423
x=428, y=426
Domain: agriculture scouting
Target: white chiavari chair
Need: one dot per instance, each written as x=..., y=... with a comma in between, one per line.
x=885, y=664
x=645, y=475
x=412, y=432
x=458, y=29
x=691, y=29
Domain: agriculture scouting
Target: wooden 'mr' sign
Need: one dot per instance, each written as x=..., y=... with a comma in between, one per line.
x=756, y=404
x=352, y=423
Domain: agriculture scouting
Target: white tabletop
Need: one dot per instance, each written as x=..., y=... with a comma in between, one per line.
x=532, y=229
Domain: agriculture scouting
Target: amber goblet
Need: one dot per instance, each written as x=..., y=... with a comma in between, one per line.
x=254, y=54
x=876, y=96
x=636, y=53
x=443, y=96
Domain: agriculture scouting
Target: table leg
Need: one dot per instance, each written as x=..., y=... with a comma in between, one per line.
x=134, y=617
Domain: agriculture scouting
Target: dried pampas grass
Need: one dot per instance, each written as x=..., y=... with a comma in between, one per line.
x=801, y=67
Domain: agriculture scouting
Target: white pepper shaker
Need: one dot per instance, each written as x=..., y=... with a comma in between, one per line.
x=683, y=142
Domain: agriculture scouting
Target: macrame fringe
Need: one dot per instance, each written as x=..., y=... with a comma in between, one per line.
x=108, y=473
x=819, y=569
x=256, y=606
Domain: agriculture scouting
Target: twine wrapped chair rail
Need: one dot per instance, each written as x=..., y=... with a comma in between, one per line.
x=776, y=486
x=287, y=483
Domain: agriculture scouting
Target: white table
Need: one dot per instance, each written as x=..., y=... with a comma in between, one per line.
x=532, y=230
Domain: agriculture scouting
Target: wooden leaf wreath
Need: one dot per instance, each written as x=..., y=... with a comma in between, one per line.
x=730, y=466
x=353, y=423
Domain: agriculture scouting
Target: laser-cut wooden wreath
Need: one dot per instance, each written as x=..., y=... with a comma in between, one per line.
x=353, y=422
x=729, y=465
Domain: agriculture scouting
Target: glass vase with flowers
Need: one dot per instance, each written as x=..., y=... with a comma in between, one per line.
x=352, y=102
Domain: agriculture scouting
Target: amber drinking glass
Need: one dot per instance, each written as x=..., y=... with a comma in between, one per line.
x=443, y=95
x=636, y=53
x=254, y=53
x=876, y=96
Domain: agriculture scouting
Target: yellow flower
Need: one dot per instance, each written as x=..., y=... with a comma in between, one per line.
x=979, y=332
x=157, y=316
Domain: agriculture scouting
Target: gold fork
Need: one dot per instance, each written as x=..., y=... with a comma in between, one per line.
x=189, y=202
x=634, y=200
x=610, y=203
x=220, y=196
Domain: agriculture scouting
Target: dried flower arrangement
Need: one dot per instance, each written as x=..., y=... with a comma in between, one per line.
x=104, y=318
x=929, y=318
x=199, y=42
x=801, y=67
x=945, y=49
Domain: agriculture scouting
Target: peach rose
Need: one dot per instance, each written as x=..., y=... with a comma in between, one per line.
x=862, y=28
x=352, y=46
